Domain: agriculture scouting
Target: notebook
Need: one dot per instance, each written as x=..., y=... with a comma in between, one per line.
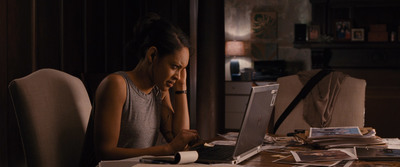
x=252, y=131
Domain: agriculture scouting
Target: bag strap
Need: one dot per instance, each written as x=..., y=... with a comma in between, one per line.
x=303, y=93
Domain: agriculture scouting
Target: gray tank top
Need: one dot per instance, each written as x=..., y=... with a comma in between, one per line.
x=140, y=119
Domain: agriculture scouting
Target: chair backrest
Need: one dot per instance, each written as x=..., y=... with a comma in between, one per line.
x=349, y=108
x=52, y=109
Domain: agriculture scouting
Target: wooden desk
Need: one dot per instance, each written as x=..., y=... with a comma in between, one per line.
x=265, y=159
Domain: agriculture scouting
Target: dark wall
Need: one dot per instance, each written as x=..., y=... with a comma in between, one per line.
x=83, y=38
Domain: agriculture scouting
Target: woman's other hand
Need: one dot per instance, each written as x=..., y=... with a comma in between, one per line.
x=181, y=141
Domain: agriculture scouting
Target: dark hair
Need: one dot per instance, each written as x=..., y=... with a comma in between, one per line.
x=152, y=30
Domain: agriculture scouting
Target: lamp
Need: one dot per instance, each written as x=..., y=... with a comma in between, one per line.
x=234, y=48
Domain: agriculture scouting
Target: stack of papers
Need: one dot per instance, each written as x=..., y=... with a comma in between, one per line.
x=344, y=137
x=333, y=157
x=365, y=153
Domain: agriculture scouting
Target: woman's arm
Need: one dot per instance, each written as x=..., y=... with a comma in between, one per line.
x=181, y=112
x=110, y=98
x=177, y=118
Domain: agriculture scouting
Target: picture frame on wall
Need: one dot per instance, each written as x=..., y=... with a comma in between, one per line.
x=398, y=33
x=342, y=30
x=262, y=50
x=264, y=35
x=264, y=26
x=313, y=32
x=357, y=34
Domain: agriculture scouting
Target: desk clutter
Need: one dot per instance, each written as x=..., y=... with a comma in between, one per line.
x=334, y=146
x=352, y=146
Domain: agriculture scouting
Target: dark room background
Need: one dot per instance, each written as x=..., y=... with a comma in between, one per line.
x=86, y=39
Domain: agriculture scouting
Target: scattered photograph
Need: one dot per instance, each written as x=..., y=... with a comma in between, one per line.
x=290, y=160
x=323, y=155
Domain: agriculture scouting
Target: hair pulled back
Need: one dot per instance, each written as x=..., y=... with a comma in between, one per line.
x=152, y=30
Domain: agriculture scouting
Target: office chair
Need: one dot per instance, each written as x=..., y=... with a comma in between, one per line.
x=348, y=109
x=52, y=109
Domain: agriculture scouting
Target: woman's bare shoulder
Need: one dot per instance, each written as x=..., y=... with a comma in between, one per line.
x=113, y=79
x=113, y=84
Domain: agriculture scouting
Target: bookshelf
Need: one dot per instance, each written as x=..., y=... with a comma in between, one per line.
x=376, y=62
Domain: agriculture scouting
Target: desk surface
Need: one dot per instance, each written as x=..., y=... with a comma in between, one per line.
x=265, y=159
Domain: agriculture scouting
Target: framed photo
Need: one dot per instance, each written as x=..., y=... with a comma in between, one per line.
x=342, y=30
x=357, y=34
x=398, y=33
x=313, y=32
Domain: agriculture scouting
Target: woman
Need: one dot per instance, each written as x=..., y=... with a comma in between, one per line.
x=132, y=107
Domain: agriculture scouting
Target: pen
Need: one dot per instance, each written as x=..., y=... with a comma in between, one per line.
x=151, y=161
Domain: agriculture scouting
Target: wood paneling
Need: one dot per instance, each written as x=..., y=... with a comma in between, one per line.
x=49, y=34
x=95, y=36
x=73, y=36
x=19, y=63
x=3, y=82
x=115, y=38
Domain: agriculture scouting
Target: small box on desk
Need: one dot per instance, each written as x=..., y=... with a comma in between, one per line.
x=377, y=27
x=377, y=33
x=378, y=36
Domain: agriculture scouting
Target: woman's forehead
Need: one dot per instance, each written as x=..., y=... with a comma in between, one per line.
x=180, y=57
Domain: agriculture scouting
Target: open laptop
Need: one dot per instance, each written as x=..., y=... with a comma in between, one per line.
x=252, y=131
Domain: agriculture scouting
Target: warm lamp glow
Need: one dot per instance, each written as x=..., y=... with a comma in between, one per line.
x=234, y=48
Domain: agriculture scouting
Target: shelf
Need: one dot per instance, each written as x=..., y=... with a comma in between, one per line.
x=347, y=45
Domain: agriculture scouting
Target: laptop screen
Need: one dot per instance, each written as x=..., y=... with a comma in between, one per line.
x=256, y=119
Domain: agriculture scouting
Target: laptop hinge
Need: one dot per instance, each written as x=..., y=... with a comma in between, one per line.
x=247, y=154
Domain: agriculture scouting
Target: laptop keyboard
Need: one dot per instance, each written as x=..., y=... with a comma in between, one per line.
x=218, y=152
